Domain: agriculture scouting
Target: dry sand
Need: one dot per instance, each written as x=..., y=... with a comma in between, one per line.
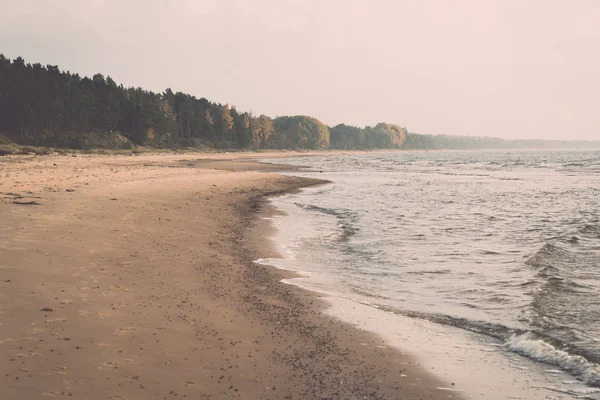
x=132, y=278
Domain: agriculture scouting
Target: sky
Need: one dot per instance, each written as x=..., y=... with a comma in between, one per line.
x=505, y=68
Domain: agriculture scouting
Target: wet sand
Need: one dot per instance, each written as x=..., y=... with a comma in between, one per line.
x=133, y=278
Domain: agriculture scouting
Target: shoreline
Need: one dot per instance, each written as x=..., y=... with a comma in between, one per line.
x=135, y=276
x=474, y=363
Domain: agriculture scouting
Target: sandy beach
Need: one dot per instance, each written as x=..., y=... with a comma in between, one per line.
x=133, y=278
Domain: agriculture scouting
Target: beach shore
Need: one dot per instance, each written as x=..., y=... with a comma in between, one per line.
x=133, y=278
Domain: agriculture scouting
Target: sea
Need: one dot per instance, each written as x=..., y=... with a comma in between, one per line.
x=486, y=263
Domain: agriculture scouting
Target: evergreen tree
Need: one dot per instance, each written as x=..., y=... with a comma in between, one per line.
x=241, y=130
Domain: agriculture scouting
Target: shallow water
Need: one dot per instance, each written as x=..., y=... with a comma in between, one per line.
x=503, y=244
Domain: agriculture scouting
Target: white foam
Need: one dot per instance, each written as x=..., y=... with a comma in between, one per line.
x=539, y=350
x=465, y=361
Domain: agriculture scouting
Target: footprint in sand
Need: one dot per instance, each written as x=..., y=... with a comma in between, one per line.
x=108, y=366
x=52, y=321
x=124, y=331
x=60, y=371
x=70, y=385
x=78, y=271
x=130, y=360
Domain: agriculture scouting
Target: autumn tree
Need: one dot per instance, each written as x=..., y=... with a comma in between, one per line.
x=262, y=130
x=300, y=132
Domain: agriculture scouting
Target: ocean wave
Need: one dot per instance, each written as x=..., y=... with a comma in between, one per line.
x=345, y=227
x=578, y=393
x=535, y=345
x=558, y=269
x=529, y=345
x=324, y=210
x=345, y=231
x=491, y=329
x=590, y=230
x=547, y=254
x=551, y=280
x=430, y=272
x=504, y=178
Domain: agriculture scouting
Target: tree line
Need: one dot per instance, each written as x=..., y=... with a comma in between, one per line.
x=44, y=106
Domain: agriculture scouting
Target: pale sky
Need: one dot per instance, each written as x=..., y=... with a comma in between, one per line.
x=505, y=68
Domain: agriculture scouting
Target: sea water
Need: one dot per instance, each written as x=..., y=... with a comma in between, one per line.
x=489, y=261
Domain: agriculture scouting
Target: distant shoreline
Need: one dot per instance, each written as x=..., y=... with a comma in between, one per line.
x=21, y=150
